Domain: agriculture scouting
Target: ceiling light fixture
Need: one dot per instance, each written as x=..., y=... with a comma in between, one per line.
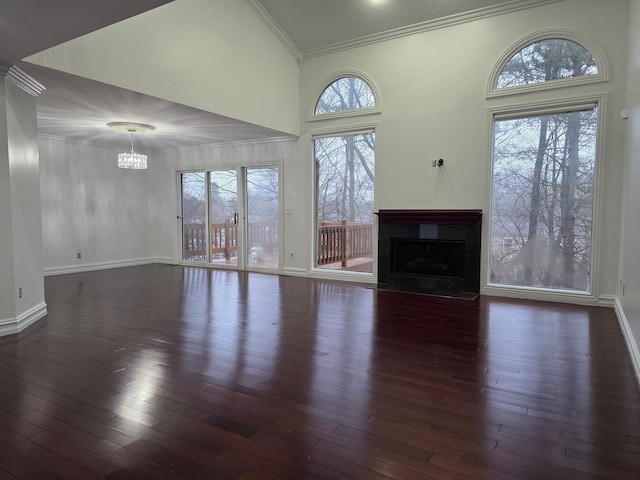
x=131, y=159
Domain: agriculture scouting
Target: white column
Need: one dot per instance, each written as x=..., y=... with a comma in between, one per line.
x=21, y=262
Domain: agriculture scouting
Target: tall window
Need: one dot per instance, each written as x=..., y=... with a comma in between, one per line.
x=344, y=198
x=542, y=200
x=543, y=169
x=345, y=175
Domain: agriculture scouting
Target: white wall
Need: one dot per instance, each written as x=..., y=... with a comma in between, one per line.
x=7, y=278
x=21, y=284
x=91, y=206
x=433, y=88
x=215, y=55
x=25, y=199
x=630, y=259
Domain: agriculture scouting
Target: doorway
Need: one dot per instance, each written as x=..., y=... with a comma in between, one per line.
x=231, y=218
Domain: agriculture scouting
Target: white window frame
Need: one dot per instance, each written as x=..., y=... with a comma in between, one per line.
x=601, y=76
x=357, y=112
x=242, y=211
x=542, y=108
x=354, y=129
x=521, y=101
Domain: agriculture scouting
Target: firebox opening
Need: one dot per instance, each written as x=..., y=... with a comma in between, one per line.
x=426, y=257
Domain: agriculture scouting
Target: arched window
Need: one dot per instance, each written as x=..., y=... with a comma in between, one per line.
x=544, y=165
x=345, y=94
x=546, y=60
x=344, y=152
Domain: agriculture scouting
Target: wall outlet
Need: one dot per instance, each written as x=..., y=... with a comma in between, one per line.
x=20, y=292
x=78, y=255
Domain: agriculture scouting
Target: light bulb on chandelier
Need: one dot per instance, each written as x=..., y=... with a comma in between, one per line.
x=132, y=160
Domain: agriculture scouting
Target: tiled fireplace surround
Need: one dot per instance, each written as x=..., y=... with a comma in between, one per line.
x=430, y=251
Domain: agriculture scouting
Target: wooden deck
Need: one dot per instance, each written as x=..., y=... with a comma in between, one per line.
x=164, y=372
x=341, y=245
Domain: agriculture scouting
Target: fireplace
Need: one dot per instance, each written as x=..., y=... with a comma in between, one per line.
x=430, y=251
x=436, y=258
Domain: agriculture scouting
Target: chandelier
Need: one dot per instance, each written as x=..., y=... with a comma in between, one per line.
x=131, y=159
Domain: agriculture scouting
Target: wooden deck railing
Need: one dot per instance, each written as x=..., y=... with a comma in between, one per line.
x=337, y=241
x=343, y=241
x=193, y=241
x=224, y=238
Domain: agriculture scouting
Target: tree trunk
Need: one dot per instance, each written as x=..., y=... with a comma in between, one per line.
x=567, y=200
x=536, y=200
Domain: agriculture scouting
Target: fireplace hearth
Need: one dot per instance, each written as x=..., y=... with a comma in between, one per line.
x=430, y=251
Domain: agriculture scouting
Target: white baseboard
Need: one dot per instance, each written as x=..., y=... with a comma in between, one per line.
x=165, y=260
x=548, y=295
x=11, y=326
x=295, y=271
x=606, y=301
x=89, y=267
x=342, y=276
x=632, y=346
x=322, y=274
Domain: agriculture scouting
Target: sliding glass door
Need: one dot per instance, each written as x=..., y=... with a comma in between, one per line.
x=194, y=216
x=231, y=218
x=263, y=218
x=223, y=213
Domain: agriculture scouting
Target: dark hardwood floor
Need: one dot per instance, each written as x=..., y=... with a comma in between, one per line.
x=162, y=372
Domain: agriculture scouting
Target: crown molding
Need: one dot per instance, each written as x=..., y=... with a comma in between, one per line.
x=275, y=28
x=485, y=12
x=20, y=79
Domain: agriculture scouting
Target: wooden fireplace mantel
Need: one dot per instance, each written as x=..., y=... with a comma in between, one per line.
x=438, y=217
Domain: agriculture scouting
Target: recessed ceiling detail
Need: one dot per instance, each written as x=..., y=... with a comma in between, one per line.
x=131, y=127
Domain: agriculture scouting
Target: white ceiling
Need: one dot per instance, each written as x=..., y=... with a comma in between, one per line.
x=30, y=26
x=315, y=25
x=77, y=108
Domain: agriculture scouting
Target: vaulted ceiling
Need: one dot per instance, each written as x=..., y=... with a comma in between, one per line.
x=78, y=108
x=317, y=26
